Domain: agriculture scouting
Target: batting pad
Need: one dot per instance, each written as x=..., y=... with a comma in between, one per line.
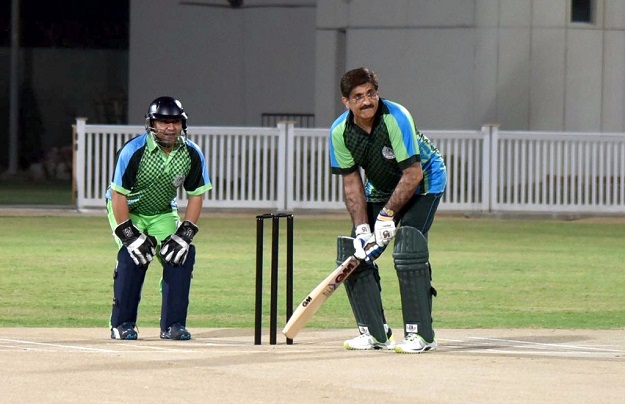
x=411, y=258
x=344, y=248
x=363, y=291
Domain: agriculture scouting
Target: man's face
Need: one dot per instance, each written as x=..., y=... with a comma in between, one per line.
x=168, y=130
x=363, y=101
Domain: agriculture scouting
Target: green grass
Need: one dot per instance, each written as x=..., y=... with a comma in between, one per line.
x=489, y=273
x=22, y=192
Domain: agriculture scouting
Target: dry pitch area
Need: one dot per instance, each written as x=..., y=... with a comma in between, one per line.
x=50, y=365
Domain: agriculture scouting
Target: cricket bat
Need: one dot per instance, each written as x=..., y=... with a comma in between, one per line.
x=318, y=296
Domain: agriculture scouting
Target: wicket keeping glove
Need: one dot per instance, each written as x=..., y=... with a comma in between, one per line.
x=175, y=248
x=384, y=229
x=140, y=246
x=363, y=236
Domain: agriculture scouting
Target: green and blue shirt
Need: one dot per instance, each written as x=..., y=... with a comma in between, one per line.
x=393, y=145
x=149, y=178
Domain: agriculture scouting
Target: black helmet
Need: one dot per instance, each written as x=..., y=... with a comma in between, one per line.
x=165, y=108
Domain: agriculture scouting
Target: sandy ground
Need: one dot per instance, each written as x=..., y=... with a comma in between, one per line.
x=51, y=365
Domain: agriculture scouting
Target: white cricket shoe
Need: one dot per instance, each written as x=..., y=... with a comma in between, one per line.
x=366, y=342
x=414, y=343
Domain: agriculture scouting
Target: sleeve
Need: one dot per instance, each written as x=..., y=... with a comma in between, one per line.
x=341, y=160
x=127, y=166
x=403, y=135
x=197, y=181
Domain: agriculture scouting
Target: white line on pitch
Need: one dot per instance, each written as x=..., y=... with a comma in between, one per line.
x=542, y=353
x=138, y=348
x=46, y=344
x=449, y=339
x=549, y=344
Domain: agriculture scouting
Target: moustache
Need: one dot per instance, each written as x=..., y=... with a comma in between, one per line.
x=167, y=133
x=364, y=107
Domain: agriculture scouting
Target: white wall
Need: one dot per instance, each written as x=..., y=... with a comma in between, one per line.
x=422, y=51
x=459, y=63
x=547, y=73
x=456, y=64
x=227, y=66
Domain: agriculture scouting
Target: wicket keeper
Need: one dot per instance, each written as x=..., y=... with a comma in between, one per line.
x=404, y=180
x=143, y=214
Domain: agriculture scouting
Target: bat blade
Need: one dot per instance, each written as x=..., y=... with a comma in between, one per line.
x=315, y=299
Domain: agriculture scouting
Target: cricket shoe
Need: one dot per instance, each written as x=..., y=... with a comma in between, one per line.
x=176, y=331
x=125, y=330
x=367, y=342
x=414, y=343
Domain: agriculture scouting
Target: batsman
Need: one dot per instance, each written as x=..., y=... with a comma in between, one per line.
x=143, y=214
x=404, y=180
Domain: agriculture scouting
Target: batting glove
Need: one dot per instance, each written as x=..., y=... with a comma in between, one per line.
x=363, y=235
x=374, y=251
x=384, y=227
x=175, y=248
x=140, y=246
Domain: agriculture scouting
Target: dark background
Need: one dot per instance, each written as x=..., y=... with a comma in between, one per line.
x=92, y=24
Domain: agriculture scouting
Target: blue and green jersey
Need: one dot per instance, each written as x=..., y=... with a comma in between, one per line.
x=149, y=178
x=393, y=145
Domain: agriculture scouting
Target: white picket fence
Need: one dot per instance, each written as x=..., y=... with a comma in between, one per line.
x=287, y=168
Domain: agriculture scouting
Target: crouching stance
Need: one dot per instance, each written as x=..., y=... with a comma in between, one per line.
x=142, y=212
x=405, y=177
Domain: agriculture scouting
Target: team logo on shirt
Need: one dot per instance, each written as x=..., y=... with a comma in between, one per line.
x=388, y=153
x=178, y=180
